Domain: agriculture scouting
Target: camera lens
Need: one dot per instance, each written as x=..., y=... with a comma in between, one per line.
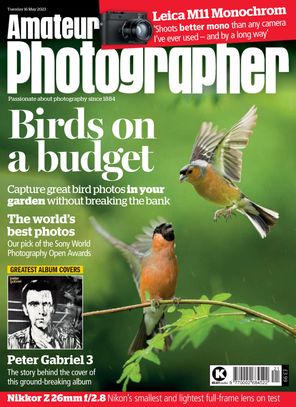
x=137, y=31
x=143, y=30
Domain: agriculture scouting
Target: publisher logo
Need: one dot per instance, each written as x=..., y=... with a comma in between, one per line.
x=219, y=373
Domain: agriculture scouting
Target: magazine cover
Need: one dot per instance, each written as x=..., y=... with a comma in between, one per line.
x=148, y=191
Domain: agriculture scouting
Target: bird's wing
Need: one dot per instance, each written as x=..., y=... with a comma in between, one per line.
x=131, y=253
x=143, y=241
x=227, y=155
x=206, y=142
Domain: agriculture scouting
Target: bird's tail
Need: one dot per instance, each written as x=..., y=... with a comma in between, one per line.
x=261, y=218
x=141, y=338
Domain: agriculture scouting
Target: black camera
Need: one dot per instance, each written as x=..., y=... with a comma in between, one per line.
x=125, y=28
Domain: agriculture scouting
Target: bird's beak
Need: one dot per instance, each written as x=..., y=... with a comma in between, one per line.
x=183, y=173
x=169, y=228
x=182, y=177
x=169, y=232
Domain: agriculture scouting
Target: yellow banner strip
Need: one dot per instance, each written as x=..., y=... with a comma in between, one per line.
x=44, y=269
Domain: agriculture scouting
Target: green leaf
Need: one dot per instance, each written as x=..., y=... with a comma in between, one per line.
x=227, y=310
x=221, y=297
x=180, y=338
x=264, y=329
x=157, y=341
x=171, y=309
x=130, y=372
x=203, y=309
x=204, y=332
x=135, y=374
x=147, y=296
x=227, y=323
x=187, y=312
x=126, y=372
x=152, y=357
x=194, y=325
x=134, y=357
x=287, y=318
x=188, y=316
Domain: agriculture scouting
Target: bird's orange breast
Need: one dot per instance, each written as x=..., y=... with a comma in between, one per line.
x=158, y=275
x=215, y=188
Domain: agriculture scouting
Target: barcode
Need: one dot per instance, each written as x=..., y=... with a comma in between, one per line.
x=256, y=373
x=275, y=376
x=249, y=375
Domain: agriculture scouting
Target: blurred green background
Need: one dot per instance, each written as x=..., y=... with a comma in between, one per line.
x=213, y=257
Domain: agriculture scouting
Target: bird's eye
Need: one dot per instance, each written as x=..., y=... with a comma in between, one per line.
x=189, y=171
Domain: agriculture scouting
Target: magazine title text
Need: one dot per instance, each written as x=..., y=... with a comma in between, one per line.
x=189, y=70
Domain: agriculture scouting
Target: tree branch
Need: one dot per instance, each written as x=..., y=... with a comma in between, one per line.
x=246, y=311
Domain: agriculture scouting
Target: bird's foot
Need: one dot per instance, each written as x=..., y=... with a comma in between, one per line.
x=219, y=213
x=155, y=304
x=226, y=212
x=176, y=301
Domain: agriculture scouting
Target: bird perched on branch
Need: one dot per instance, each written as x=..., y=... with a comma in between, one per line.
x=154, y=267
x=216, y=162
